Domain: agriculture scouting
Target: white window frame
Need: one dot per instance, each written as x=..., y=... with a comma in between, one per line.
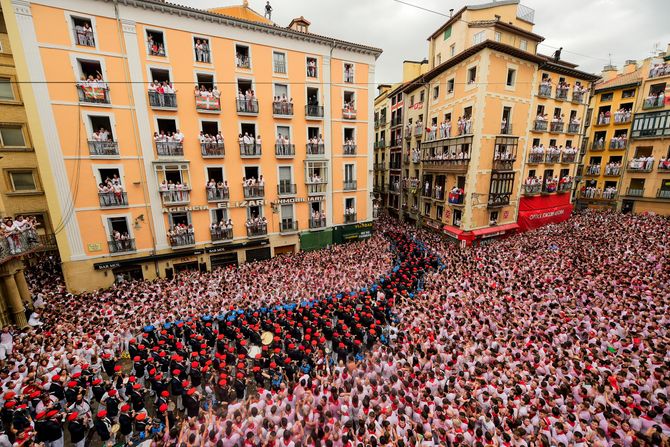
x=159, y=67
x=291, y=168
x=75, y=58
x=479, y=37
x=468, y=85
x=278, y=74
x=497, y=36
x=85, y=116
x=449, y=94
x=21, y=171
x=452, y=50
x=147, y=30
x=180, y=164
x=320, y=133
x=212, y=212
x=205, y=120
x=96, y=173
x=354, y=172
x=288, y=90
x=281, y=214
x=239, y=128
x=23, y=129
x=69, y=16
x=344, y=133
x=318, y=67
x=523, y=44
x=211, y=53
x=344, y=71
x=251, y=59
x=174, y=118
x=290, y=132
x=169, y=217
x=201, y=72
x=516, y=74
x=129, y=223
x=206, y=167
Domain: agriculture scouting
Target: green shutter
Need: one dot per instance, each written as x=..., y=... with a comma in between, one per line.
x=447, y=33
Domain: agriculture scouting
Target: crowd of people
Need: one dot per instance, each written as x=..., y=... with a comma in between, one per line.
x=250, y=144
x=401, y=340
x=18, y=235
x=655, y=99
x=110, y=192
x=253, y=187
x=659, y=69
x=641, y=163
x=246, y=101
x=180, y=234
x=281, y=105
x=174, y=191
x=256, y=226
x=162, y=94
x=593, y=192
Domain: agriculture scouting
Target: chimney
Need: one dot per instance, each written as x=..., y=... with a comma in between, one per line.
x=609, y=72
x=300, y=24
x=630, y=66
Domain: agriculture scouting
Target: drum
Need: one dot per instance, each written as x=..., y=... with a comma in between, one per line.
x=267, y=337
x=254, y=351
x=115, y=428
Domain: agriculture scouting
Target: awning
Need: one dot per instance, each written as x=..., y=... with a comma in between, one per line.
x=453, y=231
x=498, y=230
x=536, y=212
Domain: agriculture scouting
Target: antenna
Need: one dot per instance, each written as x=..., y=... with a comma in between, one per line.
x=656, y=49
x=610, y=56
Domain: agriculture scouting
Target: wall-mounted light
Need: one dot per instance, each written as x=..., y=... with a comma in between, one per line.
x=139, y=219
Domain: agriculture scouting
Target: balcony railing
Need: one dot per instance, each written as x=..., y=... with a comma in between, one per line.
x=498, y=199
x=418, y=130
x=503, y=161
x=317, y=222
x=350, y=185
x=84, y=37
x=316, y=149
x=652, y=103
x=20, y=243
x=593, y=170
x=438, y=194
x=314, y=111
x=257, y=230
x=103, y=148
x=536, y=158
x=578, y=97
x=618, y=143
x=603, y=120
x=553, y=157
x=122, y=245
x=286, y=189
x=568, y=157
x=212, y=150
x=573, y=127
x=350, y=218
x=446, y=164
x=565, y=187
x=664, y=165
x=556, y=126
x=348, y=113
x=540, y=125
x=113, y=199
x=175, y=196
x=506, y=129
x=282, y=108
x=94, y=95
x=221, y=234
x=598, y=145
x=381, y=144
x=162, y=100
x=170, y=148
x=247, y=106
x=379, y=166
x=284, y=150
x=181, y=240
x=663, y=193
x=207, y=103
x=217, y=194
x=562, y=93
x=530, y=190
x=254, y=192
x=349, y=149
x=316, y=188
x=635, y=192
x=544, y=90
x=612, y=170
x=250, y=150
x=243, y=61
x=623, y=117
x=646, y=165
x=288, y=226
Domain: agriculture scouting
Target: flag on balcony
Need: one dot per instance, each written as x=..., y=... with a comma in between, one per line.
x=207, y=103
x=94, y=93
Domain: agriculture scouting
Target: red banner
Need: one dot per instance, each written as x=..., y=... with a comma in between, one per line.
x=536, y=212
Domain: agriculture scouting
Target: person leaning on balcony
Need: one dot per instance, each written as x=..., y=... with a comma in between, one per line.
x=258, y=142
x=178, y=137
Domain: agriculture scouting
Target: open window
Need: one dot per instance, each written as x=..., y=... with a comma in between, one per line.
x=313, y=97
x=472, y=75
x=312, y=69
x=166, y=126
x=101, y=128
x=160, y=75
x=89, y=69
x=202, y=50
x=349, y=73
x=248, y=129
x=156, y=43
x=206, y=81
x=119, y=236
x=242, y=56
x=83, y=31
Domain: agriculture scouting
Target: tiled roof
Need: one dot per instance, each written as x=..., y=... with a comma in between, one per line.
x=634, y=77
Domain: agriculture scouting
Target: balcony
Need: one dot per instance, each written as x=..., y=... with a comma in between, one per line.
x=395, y=165
x=93, y=94
x=544, y=90
x=593, y=170
x=573, y=128
x=503, y=161
x=418, y=130
x=250, y=150
x=531, y=190
x=221, y=234
x=456, y=198
x=247, y=106
x=623, y=117
x=594, y=193
x=316, y=188
x=23, y=242
x=397, y=143
x=651, y=125
x=212, y=150
x=664, y=165
x=396, y=121
x=286, y=189
x=379, y=166
x=556, y=126
x=207, y=104
x=288, y=226
x=185, y=239
x=578, y=97
x=498, y=199
x=257, y=229
x=216, y=194
x=314, y=111
x=254, y=191
x=348, y=113
x=603, y=120
x=113, y=199
x=350, y=185
x=316, y=149
x=568, y=157
x=612, y=170
x=553, y=156
x=176, y=196
x=381, y=144
x=103, y=148
x=282, y=109
x=540, y=125
x=438, y=194
x=350, y=218
x=535, y=158
x=652, y=103
x=446, y=164
x=635, y=192
x=562, y=93
x=598, y=145
x=618, y=143
x=170, y=148
x=564, y=187
x=284, y=150
x=658, y=70
x=317, y=222
x=121, y=246
x=506, y=129
x=162, y=100
x=641, y=165
x=663, y=193
x=349, y=149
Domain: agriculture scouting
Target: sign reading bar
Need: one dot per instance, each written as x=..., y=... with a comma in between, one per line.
x=177, y=209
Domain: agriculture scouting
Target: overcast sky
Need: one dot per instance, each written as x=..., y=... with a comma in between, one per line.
x=588, y=30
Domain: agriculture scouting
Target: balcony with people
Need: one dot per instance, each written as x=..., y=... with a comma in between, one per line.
x=593, y=169
x=504, y=153
x=156, y=44
x=623, y=116
x=532, y=186
x=604, y=118
x=593, y=192
x=557, y=125
x=314, y=107
x=641, y=163
x=181, y=235
x=201, y=48
x=380, y=144
x=540, y=124
x=658, y=70
x=663, y=193
x=246, y=102
x=102, y=144
x=250, y=145
x=619, y=142
x=654, y=101
x=111, y=194
x=18, y=236
x=256, y=227
x=664, y=164
x=565, y=184
x=211, y=146
x=613, y=168
x=174, y=193
x=456, y=196
x=536, y=154
x=252, y=188
x=562, y=89
x=574, y=125
x=316, y=184
x=350, y=215
x=569, y=155
x=93, y=89
x=162, y=95
x=545, y=88
x=283, y=146
x=169, y=144
x=207, y=98
x=221, y=231
x=349, y=147
x=288, y=226
x=549, y=184
x=121, y=243
x=452, y=154
x=598, y=143
x=282, y=107
x=317, y=219
x=579, y=93
x=552, y=155
x=349, y=110
x=217, y=191
x=315, y=147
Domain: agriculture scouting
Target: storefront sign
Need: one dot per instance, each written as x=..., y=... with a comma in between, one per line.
x=241, y=203
x=287, y=201
x=107, y=265
x=178, y=209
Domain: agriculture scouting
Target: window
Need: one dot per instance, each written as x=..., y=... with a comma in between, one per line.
x=279, y=62
x=242, y=56
x=497, y=36
x=22, y=181
x=202, y=50
x=511, y=76
x=478, y=37
x=12, y=136
x=472, y=75
x=436, y=92
x=452, y=50
x=438, y=59
x=450, y=86
x=523, y=44
x=349, y=73
x=156, y=43
x=88, y=68
x=630, y=93
x=83, y=32
x=411, y=101
x=493, y=218
x=606, y=97
x=447, y=33
x=312, y=71
x=348, y=173
x=422, y=96
x=6, y=91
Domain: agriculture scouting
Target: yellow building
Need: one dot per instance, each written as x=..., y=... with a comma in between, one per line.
x=488, y=101
x=608, y=125
x=646, y=182
x=380, y=185
x=144, y=172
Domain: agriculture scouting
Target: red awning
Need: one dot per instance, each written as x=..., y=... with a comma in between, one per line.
x=502, y=229
x=453, y=230
x=536, y=212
